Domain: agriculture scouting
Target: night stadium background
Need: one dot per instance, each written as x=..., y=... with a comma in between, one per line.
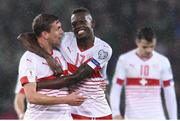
x=117, y=22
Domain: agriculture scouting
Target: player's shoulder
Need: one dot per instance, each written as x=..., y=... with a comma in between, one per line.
x=161, y=57
x=68, y=35
x=28, y=54
x=99, y=43
x=127, y=55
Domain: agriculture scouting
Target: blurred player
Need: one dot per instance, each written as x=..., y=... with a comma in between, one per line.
x=45, y=103
x=143, y=72
x=19, y=100
x=87, y=57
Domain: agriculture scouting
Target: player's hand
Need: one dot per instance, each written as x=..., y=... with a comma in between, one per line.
x=118, y=117
x=75, y=99
x=21, y=116
x=54, y=65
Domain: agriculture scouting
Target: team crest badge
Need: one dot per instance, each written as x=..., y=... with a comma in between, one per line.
x=102, y=54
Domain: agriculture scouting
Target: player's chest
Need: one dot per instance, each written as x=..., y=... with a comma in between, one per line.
x=42, y=67
x=143, y=68
x=76, y=56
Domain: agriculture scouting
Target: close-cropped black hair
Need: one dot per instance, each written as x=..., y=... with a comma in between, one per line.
x=146, y=33
x=81, y=9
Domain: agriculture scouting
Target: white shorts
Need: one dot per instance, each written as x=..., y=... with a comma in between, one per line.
x=48, y=115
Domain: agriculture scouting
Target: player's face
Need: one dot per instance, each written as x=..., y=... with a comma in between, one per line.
x=55, y=33
x=82, y=25
x=145, y=48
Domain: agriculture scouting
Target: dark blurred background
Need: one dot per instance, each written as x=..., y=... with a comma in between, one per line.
x=117, y=22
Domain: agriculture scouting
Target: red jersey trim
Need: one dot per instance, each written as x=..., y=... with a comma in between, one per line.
x=80, y=117
x=140, y=81
x=166, y=83
x=120, y=81
x=24, y=80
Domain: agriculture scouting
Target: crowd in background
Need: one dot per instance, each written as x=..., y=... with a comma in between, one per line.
x=117, y=22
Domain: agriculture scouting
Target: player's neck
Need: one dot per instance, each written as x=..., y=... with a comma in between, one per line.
x=45, y=45
x=142, y=56
x=85, y=44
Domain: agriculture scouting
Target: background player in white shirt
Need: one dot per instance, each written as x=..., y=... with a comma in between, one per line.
x=87, y=57
x=19, y=100
x=143, y=72
x=45, y=103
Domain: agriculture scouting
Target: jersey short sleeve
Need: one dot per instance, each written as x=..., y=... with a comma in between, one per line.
x=101, y=56
x=119, y=75
x=166, y=71
x=18, y=88
x=27, y=71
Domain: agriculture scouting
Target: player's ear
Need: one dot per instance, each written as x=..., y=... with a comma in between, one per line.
x=137, y=41
x=93, y=23
x=45, y=34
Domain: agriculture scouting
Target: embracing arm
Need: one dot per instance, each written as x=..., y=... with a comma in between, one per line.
x=84, y=71
x=29, y=42
x=34, y=97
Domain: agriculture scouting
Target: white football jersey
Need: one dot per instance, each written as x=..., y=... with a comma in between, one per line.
x=143, y=81
x=19, y=88
x=33, y=68
x=96, y=57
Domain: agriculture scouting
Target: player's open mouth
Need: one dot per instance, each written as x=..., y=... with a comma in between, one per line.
x=81, y=32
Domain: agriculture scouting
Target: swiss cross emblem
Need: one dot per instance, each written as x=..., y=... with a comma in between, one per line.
x=143, y=82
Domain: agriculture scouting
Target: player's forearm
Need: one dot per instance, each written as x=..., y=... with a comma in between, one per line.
x=19, y=104
x=58, y=83
x=41, y=99
x=115, y=99
x=170, y=99
x=83, y=72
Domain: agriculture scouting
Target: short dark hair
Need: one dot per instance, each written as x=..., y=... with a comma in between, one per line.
x=81, y=9
x=42, y=22
x=146, y=33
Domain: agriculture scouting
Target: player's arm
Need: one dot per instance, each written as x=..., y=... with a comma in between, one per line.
x=170, y=100
x=84, y=71
x=40, y=99
x=169, y=91
x=29, y=41
x=19, y=104
x=116, y=90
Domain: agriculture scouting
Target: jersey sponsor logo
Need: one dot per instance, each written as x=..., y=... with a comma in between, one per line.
x=28, y=60
x=31, y=75
x=44, y=63
x=102, y=54
x=95, y=62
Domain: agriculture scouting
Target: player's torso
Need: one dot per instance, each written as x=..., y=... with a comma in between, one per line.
x=143, y=87
x=135, y=67
x=90, y=87
x=43, y=72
